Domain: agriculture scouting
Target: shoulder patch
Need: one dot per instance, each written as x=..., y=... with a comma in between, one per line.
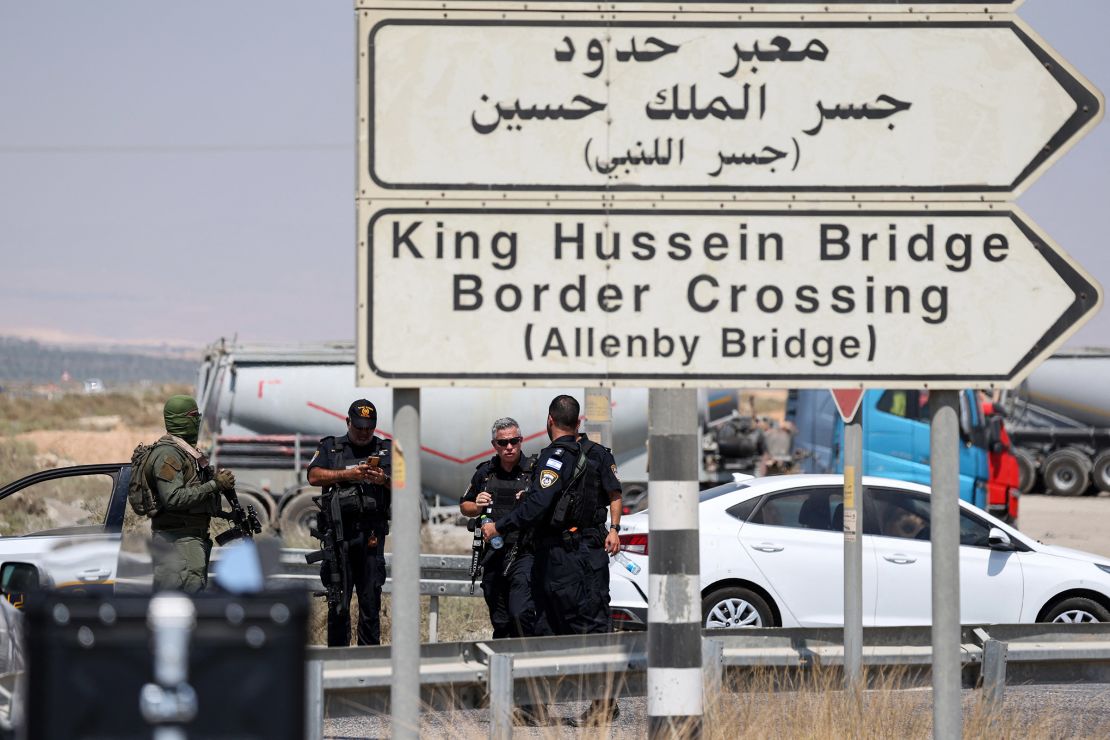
x=170, y=467
x=558, y=452
x=548, y=478
x=314, y=456
x=614, y=469
x=556, y=464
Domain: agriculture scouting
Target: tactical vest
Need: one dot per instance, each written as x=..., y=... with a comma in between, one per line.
x=580, y=500
x=363, y=502
x=504, y=490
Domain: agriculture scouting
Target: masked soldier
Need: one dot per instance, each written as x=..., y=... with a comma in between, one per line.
x=189, y=496
x=356, y=468
x=564, y=510
x=495, y=490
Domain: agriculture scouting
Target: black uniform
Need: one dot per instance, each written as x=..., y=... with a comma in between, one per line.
x=571, y=568
x=369, y=513
x=602, y=457
x=508, y=593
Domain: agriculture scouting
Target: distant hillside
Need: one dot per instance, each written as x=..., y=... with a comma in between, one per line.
x=28, y=361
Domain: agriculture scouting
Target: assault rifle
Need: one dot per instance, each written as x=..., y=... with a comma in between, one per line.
x=334, y=550
x=477, y=549
x=335, y=543
x=243, y=523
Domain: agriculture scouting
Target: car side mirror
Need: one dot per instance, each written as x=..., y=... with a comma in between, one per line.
x=999, y=540
x=17, y=580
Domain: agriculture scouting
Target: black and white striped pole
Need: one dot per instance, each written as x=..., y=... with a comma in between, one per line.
x=674, y=676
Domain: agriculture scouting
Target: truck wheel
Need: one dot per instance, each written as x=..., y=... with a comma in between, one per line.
x=1066, y=472
x=1100, y=473
x=298, y=516
x=1027, y=471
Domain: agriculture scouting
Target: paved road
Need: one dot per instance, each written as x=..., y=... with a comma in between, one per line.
x=1082, y=522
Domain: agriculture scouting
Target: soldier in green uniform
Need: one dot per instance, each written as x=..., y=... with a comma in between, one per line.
x=188, y=496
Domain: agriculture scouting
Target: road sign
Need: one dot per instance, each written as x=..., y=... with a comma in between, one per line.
x=781, y=297
x=829, y=106
x=748, y=6
x=847, y=402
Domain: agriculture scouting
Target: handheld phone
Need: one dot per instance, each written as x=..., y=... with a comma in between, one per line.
x=372, y=461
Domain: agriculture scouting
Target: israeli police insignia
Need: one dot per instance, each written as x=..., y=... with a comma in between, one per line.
x=548, y=478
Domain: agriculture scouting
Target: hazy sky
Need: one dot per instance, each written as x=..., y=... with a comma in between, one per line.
x=185, y=170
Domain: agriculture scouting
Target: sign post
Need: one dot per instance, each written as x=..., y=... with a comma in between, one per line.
x=405, y=651
x=944, y=468
x=848, y=404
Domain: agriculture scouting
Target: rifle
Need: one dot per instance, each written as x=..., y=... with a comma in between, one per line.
x=477, y=549
x=335, y=549
x=243, y=523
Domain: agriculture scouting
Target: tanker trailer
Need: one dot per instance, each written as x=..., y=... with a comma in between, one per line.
x=1059, y=424
x=266, y=406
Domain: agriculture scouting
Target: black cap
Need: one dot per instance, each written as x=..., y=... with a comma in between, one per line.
x=362, y=414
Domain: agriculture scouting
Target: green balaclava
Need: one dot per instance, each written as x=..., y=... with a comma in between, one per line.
x=182, y=418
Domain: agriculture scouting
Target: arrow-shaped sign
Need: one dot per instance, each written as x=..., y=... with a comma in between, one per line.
x=824, y=106
x=776, y=297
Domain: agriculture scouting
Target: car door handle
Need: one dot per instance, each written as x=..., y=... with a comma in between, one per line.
x=93, y=574
x=900, y=559
x=767, y=547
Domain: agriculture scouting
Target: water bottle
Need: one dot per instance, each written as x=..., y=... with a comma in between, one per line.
x=497, y=541
x=621, y=559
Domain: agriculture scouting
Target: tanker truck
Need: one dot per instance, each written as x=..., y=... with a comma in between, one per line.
x=1059, y=424
x=265, y=408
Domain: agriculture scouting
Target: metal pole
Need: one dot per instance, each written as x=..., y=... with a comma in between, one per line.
x=314, y=714
x=853, y=551
x=500, y=696
x=944, y=441
x=674, y=680
x=433, y=618
x=599, y=416
x=405, y=653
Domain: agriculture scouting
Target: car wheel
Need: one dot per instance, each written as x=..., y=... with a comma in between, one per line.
x=735, y=607
x=1077, y=610
x=1066, y=472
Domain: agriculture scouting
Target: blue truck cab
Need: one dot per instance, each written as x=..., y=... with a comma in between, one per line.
x=895, y=437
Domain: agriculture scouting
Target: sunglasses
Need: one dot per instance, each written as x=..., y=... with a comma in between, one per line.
x=510, y=441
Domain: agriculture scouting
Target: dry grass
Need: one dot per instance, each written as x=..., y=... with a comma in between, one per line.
x=771, y=704
x=460, y=618
x=72, y=411
x=17, y=459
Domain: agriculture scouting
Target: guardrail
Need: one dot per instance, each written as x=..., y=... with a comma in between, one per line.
x=440, y=576
x=500, y=673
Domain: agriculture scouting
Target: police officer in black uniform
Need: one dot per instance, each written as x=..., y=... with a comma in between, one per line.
x=495, y=489
x=345, y=464
x=564, y=510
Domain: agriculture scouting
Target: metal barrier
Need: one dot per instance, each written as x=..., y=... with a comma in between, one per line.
x=501, y=673
x=440, y=576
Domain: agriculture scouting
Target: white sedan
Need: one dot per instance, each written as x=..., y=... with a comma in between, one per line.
x=772, y=555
